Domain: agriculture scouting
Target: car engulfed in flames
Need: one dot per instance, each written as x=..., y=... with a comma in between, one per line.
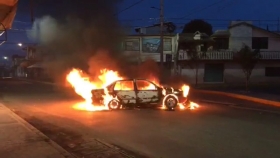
x=112, y=92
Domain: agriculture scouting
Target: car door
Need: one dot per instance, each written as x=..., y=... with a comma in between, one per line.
x=125, y=90
x=146, y=91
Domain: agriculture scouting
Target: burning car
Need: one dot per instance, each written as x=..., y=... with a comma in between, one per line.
x=131, y=92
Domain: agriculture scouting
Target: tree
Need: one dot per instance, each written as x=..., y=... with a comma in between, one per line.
x=247, y=59
x=195, y=58
x=198, y=25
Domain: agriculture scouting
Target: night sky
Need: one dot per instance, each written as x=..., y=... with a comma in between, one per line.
x=216, y=12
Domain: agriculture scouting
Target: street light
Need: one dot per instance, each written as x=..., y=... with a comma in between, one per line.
x=5, y=58
x=20, y=44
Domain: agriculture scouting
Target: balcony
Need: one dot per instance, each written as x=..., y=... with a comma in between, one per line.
x=272, y=55
x=137, y=56
x=228, y=55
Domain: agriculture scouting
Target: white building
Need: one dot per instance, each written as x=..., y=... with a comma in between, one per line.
x=219, y=67
x=143, y=46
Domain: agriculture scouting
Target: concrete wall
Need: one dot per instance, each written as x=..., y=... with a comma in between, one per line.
x=243, y=34
x=239, y=35
x=189, y=73
x=144, y=55
x=233, y=73
x=273, y=40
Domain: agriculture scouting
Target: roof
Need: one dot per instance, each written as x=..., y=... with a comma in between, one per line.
x=37, y=65
x=143, y=35
x=128, y=79
x=253, y=26
x=189, y=37
x=221, y=33
x=155, y=25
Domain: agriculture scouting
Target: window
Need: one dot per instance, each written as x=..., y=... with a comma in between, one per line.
x=260, y=43
x=145, y=85
x=132, y=45
x=221, y=43
x=167, y=44
x=124, y=86
x=272, y=71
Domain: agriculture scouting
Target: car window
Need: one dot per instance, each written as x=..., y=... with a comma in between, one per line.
x=145, y=85
x=124, y=85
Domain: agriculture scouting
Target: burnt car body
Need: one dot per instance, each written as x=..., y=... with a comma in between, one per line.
x=131, y=92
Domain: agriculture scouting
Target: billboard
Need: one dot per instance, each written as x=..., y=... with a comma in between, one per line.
x=150, y=45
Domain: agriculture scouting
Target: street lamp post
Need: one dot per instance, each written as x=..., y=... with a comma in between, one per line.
x=161, y=35
x=161, y=47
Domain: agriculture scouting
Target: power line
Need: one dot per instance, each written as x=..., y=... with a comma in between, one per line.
x=230, y=4
x=173, y=18
x=134, y=4
x=209, y=6
x=24, y=22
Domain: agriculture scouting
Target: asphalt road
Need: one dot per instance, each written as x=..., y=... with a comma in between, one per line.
x=210, y=131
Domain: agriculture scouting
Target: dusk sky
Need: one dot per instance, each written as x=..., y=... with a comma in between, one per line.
x=216, y=12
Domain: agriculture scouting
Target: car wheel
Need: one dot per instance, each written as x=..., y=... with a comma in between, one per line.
x=114, y=104
x=170, y=102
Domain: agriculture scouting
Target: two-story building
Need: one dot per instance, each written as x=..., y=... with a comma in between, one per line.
x=18, y=67
x=141, y=47
x=145, y=44
x=218, y=65
x=32, y=62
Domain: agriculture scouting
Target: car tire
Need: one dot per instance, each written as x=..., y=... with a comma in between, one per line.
x=170, y=103
x=114, y=104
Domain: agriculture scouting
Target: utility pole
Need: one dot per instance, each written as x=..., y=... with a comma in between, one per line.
x=161, y=35
x=31, y=11
x=278, y=25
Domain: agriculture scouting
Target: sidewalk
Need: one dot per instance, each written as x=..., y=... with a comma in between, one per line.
x=18, y=139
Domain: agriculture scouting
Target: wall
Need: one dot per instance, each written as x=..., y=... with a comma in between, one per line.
x=239, y=35
x=189, y=73
x=273, y=40
x=233, y=73
x=144, y=55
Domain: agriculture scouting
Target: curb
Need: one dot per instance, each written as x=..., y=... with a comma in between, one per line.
x=50, y=83
x=232, y=105
x=43, y=82
x=215, y=102
x=35, y=130
x=239, y=96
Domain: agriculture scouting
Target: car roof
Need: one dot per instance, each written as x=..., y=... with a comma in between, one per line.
x=128, y=79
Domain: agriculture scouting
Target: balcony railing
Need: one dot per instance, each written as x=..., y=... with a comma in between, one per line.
x=228, y=55
x=210, y=55
x=273, y=55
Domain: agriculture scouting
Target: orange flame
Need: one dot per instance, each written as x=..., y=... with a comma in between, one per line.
x=83, y=87
x=185, y=89
x=193, y=105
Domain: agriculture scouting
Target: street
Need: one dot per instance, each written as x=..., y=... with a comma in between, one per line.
x=211, y=131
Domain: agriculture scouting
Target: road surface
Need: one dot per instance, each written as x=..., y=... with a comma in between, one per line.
x=210, y=131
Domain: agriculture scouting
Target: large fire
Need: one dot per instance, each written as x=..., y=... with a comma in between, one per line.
x=83, y=86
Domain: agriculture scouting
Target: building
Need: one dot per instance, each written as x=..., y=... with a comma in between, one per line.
x=18, y=67
x=218, y=65
x=145, y=44
x=142, y=47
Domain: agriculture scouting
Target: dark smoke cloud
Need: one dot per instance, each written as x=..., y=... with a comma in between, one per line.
x=77, y=33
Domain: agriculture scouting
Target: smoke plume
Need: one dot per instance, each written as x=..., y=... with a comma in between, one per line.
x=77, y=33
